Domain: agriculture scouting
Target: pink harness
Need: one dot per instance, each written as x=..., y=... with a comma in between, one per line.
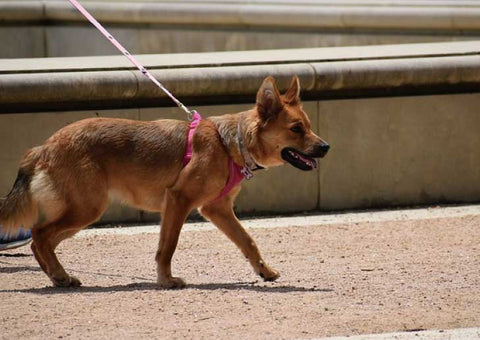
x=235, y=175
x=236, y=172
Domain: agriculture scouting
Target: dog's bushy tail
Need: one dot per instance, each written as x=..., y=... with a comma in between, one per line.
x=18, y=209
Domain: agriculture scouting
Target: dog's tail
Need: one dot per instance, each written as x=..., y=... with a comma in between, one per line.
x=18, y=208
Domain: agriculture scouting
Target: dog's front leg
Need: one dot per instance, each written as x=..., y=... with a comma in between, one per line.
x=222, y=215
x=175, y=212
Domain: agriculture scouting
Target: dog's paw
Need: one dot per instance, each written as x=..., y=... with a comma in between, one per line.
x=171, y=283
x=269, y=274
x=68, y=281
x=74, y=282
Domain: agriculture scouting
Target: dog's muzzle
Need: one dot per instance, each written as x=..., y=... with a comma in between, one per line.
x=304, y=161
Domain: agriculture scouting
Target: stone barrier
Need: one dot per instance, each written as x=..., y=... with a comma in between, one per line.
x=53, y=28
x=51, y=84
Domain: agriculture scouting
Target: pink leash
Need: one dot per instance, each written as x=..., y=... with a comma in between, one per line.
x=130, y=57
x=236, y=174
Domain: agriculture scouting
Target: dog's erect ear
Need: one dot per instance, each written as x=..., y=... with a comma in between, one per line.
x=269, y=103
x=292, y=96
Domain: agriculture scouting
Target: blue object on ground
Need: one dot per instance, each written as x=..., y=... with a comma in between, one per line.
x=11, y=242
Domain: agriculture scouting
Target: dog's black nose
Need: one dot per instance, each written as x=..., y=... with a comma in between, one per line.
x=324, y=149
x=320, y=150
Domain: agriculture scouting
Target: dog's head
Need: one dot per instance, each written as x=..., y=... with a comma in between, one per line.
x=283, y=130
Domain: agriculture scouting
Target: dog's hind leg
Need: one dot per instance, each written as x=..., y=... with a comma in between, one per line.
x=39, y=259
x=48, y=236
x=222, y=215
x=64, y=235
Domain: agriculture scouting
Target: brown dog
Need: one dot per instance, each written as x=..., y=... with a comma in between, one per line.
x=65, y=184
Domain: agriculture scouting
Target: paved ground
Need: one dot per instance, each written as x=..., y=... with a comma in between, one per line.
x=342, y=275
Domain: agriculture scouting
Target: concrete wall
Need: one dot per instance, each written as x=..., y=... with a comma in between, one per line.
x=400, y=151
x=54, y=29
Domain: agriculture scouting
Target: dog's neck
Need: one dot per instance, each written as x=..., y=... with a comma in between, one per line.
x=234, y=133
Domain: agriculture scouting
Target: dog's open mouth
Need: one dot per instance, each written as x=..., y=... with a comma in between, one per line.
x=299, y=159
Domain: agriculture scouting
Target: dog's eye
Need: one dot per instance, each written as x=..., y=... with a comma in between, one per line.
x=296, y=129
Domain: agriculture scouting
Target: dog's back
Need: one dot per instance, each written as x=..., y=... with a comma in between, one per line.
x=89, y=160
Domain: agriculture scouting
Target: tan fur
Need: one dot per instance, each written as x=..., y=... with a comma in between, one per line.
x=18, y=208
x=70, y=178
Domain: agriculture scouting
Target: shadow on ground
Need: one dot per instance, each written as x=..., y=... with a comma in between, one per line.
x=235, y=286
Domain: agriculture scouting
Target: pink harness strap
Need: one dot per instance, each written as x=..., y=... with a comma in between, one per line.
x=196, y=118
x=235, y=175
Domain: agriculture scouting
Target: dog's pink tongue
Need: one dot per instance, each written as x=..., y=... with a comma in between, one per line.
x=310, y=162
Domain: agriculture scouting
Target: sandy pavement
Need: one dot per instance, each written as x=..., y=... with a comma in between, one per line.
x=337, y=279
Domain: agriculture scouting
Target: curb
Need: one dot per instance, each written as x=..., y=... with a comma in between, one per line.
x=451, y=334
x=308, y=220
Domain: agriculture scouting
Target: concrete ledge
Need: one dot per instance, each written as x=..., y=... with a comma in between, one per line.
x=11, y=11
x=53, y=28
x=241, y=58
x=450, y=334
x=433, y=15
x=356, y=3
x=29, y=85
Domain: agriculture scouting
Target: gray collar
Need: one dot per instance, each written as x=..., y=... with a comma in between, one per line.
x=250, y=164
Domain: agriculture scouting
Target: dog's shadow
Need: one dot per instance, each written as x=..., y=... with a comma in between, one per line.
x=16, y=269
x=146, y=286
